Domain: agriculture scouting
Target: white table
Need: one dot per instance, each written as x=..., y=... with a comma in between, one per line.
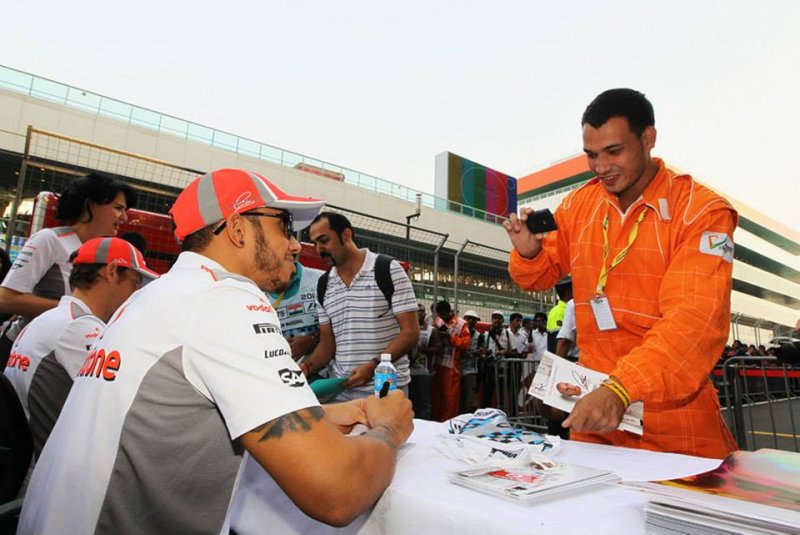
x=421, y=501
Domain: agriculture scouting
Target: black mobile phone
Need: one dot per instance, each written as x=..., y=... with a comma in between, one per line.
x=541, y=221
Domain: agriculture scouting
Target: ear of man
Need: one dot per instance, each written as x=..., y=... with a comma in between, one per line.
x=236, y=229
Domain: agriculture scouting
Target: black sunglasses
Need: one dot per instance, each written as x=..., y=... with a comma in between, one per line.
x=286, y=219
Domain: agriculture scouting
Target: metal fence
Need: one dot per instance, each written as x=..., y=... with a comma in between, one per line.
x=514, y=377
x=420, y=247
x=761, y=402
x=51, y=160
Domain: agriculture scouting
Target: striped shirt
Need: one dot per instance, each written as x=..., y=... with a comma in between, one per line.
x=363, y=323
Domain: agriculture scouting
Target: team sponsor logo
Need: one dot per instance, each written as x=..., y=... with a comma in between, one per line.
x=260, y=307
x=266, y=328
x=272, y=353
x=295, y=309
x=94, y=334
x=293, y=378
x=243, y=201
x=15, y=360
x=98, y=364
x=717, y=244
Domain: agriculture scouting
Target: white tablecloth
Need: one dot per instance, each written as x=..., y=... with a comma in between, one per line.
x=421, y=501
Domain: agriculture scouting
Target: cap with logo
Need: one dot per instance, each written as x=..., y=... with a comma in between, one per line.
x=218, y=194
x=472, y=314
x=114, y=251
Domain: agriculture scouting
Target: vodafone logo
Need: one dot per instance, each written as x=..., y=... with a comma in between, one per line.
x=261, y=307
x=242, y=201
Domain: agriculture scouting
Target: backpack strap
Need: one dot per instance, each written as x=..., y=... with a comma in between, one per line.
x=322, y=287
x=383, y=276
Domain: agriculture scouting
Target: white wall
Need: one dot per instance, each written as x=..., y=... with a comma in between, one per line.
x=17, y=111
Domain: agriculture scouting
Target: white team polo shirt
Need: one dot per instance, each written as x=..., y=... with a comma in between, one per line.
x=45, y=357
x=42, y=267
x=145, y=440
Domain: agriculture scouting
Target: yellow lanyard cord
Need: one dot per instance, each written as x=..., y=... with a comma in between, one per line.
x=278, y=300
x=601, y=283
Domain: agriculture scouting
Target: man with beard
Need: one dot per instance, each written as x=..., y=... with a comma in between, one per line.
x=191, y=371
x=296, y=307
x=357, y=323
x=651, y=257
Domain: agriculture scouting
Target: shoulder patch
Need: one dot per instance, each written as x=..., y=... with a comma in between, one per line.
x=717, y=244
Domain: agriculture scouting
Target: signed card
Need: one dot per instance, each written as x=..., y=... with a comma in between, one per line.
x=560, y=383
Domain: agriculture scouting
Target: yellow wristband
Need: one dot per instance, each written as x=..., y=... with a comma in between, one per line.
x=619, y=390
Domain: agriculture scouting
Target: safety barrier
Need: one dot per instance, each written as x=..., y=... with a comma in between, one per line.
x=761, y=402
x=514, y=378
x=760, y=399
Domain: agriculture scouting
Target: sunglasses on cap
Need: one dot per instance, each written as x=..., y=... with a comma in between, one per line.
x=287, y=222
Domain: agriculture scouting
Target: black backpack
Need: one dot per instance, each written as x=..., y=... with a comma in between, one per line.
x=383, y=277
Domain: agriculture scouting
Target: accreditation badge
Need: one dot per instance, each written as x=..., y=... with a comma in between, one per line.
x=603, y=316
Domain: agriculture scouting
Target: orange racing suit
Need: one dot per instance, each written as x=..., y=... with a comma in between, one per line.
x=670, y=298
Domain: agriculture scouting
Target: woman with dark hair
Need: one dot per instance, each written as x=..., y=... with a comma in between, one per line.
x=91, y=206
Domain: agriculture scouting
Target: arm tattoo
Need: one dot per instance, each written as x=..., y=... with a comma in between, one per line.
x=382, y=433
x=293, y=422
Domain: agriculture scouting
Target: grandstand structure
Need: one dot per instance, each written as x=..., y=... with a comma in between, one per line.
x=51, y=132
x=765, y=302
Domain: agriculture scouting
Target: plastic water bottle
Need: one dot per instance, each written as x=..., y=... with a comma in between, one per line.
x=385, y=372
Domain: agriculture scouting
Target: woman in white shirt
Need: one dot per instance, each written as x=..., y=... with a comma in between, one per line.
x=90, y=206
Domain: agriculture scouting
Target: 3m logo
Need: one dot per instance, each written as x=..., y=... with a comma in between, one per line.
x=261, y=307
x=717, y=244
x=243, y=201
x=98, y=364
x=272, y=353
x=293, y=378
x=266, y=328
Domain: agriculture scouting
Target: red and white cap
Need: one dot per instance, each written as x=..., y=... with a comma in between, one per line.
x=114, y=251
x=218, y=194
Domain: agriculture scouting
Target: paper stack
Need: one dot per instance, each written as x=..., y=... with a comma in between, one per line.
x=749, y=493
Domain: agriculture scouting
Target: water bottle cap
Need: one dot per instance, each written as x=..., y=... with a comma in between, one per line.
x=386, y=357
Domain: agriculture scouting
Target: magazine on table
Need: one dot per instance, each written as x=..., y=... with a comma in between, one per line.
x=532, y=483
x=556, y=375
x=750, y=491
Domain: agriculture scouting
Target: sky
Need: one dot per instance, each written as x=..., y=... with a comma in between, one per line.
x=382, y=87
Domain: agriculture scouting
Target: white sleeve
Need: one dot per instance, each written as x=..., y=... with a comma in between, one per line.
x=239, y=358
x=403, y=299
x=567, y=330
x=33, y=261
x=74, y=343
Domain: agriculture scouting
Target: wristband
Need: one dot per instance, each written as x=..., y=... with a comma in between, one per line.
x=619, y=390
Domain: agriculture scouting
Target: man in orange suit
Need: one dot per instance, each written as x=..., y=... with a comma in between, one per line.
x=651, y=256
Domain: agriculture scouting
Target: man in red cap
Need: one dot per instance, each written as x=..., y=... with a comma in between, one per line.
x=191, y=371
x=50, y=350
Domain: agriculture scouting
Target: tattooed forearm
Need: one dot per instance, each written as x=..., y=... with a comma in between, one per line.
x=294, y=422
x=383, y=433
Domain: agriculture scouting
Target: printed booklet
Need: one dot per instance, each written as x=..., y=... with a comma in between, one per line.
x=533, y=483
x=560, y=383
